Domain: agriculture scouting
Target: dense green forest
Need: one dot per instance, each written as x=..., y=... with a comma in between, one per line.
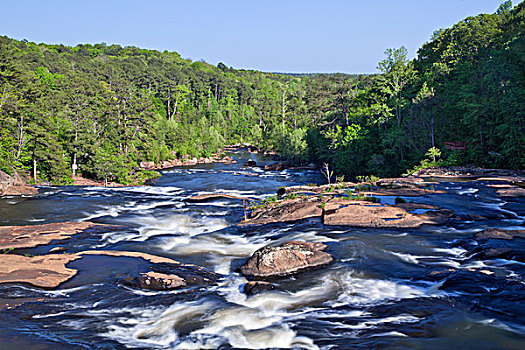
x=104, y=108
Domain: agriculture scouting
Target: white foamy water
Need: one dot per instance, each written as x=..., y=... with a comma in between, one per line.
x=131, y=206
x=221, y=249
x=151, y=190
x=182, y=226
x=467, y=191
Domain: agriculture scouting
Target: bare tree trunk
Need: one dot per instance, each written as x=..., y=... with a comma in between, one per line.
x=34, y=169
x=21, y=138
x=283, y=109
x=169, y=104
x=74, y=166
x=432, y=129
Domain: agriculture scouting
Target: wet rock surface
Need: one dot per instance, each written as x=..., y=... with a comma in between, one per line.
x=495, y=243
x=169, y=276
x=285, y=259
x=513, y=191
x=256, y=287
x=14, y=237
x=495, y=233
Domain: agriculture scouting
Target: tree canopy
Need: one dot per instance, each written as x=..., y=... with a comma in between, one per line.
x=103, y=108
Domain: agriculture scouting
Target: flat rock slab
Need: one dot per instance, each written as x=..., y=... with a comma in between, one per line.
x=364, y=214
x=31, y=236
x=291, y=210
x=285, y=259
x=514, y=191
x=210, y=197
x=49, y=271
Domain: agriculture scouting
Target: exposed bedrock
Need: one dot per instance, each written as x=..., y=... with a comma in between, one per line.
x=51, y=270
x=14, y=185
x=30, y=236
x=347, y=212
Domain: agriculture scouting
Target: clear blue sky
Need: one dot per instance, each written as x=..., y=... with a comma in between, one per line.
x=269, y=35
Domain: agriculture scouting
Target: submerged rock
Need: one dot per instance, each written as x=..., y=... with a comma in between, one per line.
x=285, y=259
x=494, y=243
x=256, y=287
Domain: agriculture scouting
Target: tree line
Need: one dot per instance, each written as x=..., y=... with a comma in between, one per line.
x=101, y=109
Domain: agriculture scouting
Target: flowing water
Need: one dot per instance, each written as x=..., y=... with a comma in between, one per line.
x=379, y=292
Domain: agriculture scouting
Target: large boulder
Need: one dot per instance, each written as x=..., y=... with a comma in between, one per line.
x=14, y=185
x=285, y=259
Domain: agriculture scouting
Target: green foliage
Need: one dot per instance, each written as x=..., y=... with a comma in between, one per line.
x=367, y=178
x=106, y=108
x=431, y=161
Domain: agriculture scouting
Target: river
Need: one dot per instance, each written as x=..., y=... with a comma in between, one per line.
x=379, y=292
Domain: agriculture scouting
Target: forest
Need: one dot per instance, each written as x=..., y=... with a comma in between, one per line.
x=102, y=109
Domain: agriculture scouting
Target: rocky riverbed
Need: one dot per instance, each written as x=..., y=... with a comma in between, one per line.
x=232, y=255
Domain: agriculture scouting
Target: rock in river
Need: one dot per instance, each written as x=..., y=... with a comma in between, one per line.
x=280, y=166
x=28, y=236
x=285, y=259
x=256, y=287
x=250, y=162
x=14, y=185
x=150, y=271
